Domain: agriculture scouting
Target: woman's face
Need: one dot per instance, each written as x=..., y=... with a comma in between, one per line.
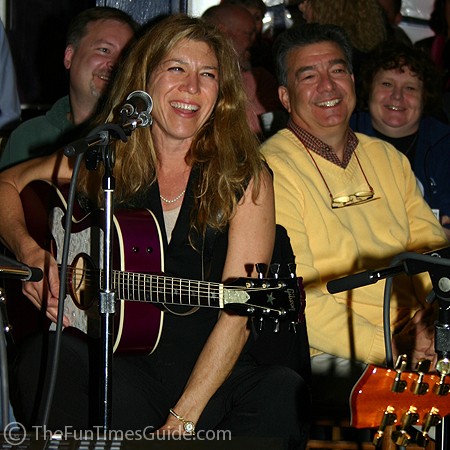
x=396, y=102
x=184, y=88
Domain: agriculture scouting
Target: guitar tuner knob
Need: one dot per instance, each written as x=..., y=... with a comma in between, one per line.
x=276, y=326
x=402, y=437
x=389, y=418
x=293, y=327
x=400, y=385
x=419, y=387
x=443, y=366
x=441, y=388
x=260, y=326
x=431, y=419
x=260, y=269
x=401, y=363
x=292, y=269
x=275, y=269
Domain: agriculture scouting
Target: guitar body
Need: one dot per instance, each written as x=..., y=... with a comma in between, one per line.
x=136, y=247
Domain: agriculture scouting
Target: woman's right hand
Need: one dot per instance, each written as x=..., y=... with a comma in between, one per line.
x=44, y=293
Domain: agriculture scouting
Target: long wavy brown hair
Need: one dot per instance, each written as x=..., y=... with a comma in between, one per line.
x=363, y=20
x=224, y=149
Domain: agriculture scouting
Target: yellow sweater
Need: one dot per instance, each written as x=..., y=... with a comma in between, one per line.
x=330, y=243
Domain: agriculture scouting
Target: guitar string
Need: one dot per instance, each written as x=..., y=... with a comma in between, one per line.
x=161, y=291
x=186, y=285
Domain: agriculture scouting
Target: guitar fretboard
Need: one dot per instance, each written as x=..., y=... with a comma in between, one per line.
x=162, y=289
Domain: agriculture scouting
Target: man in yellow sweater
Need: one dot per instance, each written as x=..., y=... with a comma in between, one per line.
x=350, y=203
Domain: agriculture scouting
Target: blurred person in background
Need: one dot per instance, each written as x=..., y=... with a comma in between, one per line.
x=393, y=12
x=261, y=51
x=438, y=45
x=261, y=87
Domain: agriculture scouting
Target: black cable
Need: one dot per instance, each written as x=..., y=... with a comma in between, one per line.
x=62, y=288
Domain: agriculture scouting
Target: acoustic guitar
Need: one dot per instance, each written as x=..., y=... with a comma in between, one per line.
x=137, y=278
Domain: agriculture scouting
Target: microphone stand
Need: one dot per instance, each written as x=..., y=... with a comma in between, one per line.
x=107, y=296
x=97, y=147
x=441, y=286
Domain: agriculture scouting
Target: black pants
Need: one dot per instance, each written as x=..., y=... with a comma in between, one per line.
x=260, y=401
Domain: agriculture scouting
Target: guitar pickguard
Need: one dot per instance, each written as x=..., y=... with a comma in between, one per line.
x=89, y=243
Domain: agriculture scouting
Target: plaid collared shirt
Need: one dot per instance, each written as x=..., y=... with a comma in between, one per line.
x=317, y=146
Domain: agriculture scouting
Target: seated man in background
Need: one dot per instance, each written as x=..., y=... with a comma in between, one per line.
x=349, y=203
x=399, y=89
x=260, y=85
x=95, y=39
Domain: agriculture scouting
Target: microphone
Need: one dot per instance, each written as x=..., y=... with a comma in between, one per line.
x=12, y=269
x=409, y=263
x=360, y=279
x=138, y=105
x=134, y=113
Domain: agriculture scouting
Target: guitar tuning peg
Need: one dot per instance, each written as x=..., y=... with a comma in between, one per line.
x=389, y=418
x=292, y=269
x=293, y=327
x=276, y=325
x=402, y=437
x=443, y=368
x=260, y=325
x=419, y=387
x=399, y=385
x=431, y=419
x=401, y=363
x=261, y=270
x=275, y=269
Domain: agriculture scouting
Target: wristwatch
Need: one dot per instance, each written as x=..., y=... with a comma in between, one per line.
x=188, y=426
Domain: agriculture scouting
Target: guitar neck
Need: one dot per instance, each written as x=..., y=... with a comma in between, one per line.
x=177, y=291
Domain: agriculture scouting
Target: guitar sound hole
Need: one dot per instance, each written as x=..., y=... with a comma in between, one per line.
x=83, y=282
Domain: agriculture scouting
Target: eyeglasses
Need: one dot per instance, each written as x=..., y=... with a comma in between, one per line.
x=347, y=200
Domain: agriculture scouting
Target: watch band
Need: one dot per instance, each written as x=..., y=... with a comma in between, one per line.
x=188, y=425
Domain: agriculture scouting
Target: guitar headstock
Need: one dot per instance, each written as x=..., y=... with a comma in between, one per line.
x=395, y=397
x=278, y=299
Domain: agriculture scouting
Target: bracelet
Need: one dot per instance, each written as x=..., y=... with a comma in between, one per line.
x=188, y=426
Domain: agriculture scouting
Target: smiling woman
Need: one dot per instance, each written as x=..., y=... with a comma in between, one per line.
x=198, y=169
x=399, y=98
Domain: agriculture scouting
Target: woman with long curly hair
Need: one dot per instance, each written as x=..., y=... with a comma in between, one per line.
x=198, y=170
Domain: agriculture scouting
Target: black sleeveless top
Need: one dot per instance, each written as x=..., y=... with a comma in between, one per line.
x=183, y=335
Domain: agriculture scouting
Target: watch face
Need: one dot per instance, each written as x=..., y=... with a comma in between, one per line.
x=189, y=427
